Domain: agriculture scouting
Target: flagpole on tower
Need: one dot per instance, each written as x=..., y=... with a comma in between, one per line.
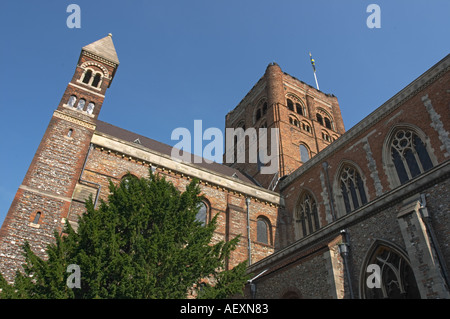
x=313, y=63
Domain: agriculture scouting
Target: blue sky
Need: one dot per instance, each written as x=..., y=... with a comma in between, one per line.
x=187, y=60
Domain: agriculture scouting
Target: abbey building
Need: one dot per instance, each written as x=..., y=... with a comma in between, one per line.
x=362, y=213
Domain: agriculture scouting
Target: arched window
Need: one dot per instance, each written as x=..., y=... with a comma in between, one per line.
x=264, y=109
x=87, y=76
x=72, y=100
x=258, y=114
x=397, y=280
x=327, y=122
x=202, y=213
x=290, y=105
x=352, y=188
x=306, y=215
x=304, y=153
x=81, y=104
x=69, y=133
x=319, y=118
x=409, y=155
x=90, y=108
x=127, y=179
x=96, y=80
x=36, y=218
x=299, y=108
x=263, y=232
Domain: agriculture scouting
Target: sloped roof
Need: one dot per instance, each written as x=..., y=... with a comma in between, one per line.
x=103, y=48
x=128, y=136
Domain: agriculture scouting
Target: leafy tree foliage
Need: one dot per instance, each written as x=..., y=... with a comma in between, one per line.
x=144, y=242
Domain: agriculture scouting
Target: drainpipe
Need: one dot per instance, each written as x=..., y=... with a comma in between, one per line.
x=344, y=250
x=91, y=146
x=247, y=201
x=426, y=218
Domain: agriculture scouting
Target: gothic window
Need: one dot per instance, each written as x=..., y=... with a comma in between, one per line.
x=81, y=104
x=87, y=76
x=263, y=235
x=96, y=80
x=319, y=118
x=299, y=108
x=327, y=122
x=294, y=121
x=90, y=108
x=306, y=216
x=352, y=188
x=304, y=153
x=202, y=214
x=290, y=105
x=258, y=114
x=72, y=100
x=409, y=155
x=264, y=109
x=306, y=127
x=396, y=276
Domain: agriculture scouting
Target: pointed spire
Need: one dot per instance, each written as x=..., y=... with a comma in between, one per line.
x=103, y=48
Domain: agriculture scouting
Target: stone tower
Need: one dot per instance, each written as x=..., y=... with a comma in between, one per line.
x=42, y=202
x=308, y=120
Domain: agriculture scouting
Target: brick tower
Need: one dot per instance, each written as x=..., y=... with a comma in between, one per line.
x=42, y=202
x=308, y=121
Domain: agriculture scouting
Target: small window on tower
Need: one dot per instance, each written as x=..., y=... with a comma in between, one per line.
x=96, y=80
x=319, y=118
x=90, y=108
x=80, y=105
x=327, y=122
x=87, y=76
x=36, y=218
x=69, y=133
x=72, y=100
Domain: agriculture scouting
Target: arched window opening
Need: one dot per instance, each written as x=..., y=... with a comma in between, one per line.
x=72, y=100
x=409, y=155
x=304, y=153
x=397, y=280
x=327, y=122
x=70, y=132
x=36, y=218
x=202, y=213
x=258, y=114
x=96, y=80
x=263, y=235
x=307, y=218
x=264, y=109
x=319, y=118
x=90, y=108
x=290, y=105
x=299, y=108
x=81, y=104
x=87, y=76
x=352, y=188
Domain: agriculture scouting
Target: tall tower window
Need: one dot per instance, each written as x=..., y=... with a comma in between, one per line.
x=299, y=108
x=304, y=153
x=290, y=105
x=327, y=122
x=319, y=118
x=87, y=76
x=96, y=80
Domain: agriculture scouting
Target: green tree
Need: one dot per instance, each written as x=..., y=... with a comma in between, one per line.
x=144, y=242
